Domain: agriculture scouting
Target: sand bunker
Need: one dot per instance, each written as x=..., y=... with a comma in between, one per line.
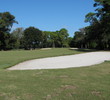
x=78, y=60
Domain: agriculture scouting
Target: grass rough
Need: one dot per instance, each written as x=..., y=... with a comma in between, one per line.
x=85, y=83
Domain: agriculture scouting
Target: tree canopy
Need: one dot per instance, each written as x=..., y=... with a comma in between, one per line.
x=6, y=22
x=32, y=38
x=97, y=35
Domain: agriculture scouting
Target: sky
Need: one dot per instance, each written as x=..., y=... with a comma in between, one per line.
x=49, y=15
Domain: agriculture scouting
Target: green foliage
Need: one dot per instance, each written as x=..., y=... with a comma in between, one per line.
x=18, y=34
x=46, y=38
x=63, y=36
x=6, y=22
x=70, y=41
x=56, y=39
x=97, y=35
x=79, y=38
x=32, y=38
x=90, y=17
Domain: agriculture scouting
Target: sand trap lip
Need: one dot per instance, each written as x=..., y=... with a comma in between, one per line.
x=45, y=48
x=78, y=60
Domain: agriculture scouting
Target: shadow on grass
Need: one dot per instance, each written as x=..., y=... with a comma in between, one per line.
x=85, y=50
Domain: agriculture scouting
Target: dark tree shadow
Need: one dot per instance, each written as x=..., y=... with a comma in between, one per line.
x=85, y=50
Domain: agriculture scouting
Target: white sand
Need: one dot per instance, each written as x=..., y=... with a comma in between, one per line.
x=77, y=60
x=45, y=48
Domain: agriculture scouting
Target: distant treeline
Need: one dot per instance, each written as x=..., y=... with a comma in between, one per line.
x=95, y=36
x=29, y=38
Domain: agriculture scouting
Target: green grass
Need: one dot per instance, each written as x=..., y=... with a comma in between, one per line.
x=85, y=83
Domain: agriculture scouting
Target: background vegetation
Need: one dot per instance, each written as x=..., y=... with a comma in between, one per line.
x=95, y=36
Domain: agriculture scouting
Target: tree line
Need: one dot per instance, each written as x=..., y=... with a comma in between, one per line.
x=97, y=35
x=94, y=36
x=29, y=38
x=32, y=38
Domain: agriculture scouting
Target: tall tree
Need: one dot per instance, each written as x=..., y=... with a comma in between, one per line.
x=99, y=24
x=17, y=34
x=32, y=38
x=63, y=37
x=79, y=39
x=6, y=22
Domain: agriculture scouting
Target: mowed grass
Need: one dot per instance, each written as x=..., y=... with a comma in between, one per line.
x=85, y=83
x=10, y=58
